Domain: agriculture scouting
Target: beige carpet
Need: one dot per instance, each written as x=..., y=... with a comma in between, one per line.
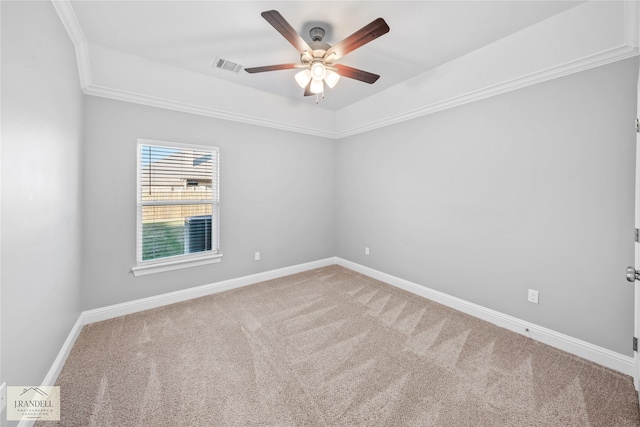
x=328, y=347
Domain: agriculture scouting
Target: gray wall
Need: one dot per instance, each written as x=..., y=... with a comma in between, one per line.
x=41, y=189
x=529, y=189
x=277, y=197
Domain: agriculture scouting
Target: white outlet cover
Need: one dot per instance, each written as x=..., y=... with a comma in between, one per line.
x=533, y=296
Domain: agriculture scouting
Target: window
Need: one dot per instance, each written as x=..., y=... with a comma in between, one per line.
x=178, y=206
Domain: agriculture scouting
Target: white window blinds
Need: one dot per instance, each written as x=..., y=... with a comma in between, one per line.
x=178, y=201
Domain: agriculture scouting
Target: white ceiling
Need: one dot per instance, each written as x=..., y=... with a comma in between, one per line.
x=437, y=55
x=189, y=35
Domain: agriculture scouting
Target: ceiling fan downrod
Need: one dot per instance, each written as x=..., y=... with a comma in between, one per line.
x=316, y=34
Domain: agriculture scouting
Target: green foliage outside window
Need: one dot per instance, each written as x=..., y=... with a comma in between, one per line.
x=162, y=239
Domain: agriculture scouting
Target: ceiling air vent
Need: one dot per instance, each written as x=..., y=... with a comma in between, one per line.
x=224, y=64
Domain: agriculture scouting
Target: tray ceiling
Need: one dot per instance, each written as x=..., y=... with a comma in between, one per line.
x=437, y=53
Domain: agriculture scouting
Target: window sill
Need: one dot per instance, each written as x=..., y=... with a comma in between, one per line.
x=161, y=267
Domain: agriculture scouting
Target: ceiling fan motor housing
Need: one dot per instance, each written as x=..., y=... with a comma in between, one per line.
x=318, y=51
x=316, y=34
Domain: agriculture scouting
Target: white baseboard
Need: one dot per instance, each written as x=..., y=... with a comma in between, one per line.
x=112, y=311
x=58, y=363
x=116, y=310
x=608, y=358
x=594, y=353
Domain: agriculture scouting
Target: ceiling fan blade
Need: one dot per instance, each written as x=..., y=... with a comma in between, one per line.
x=277, y=21
x=270, y=68
x=369, y=32
x=354, y=73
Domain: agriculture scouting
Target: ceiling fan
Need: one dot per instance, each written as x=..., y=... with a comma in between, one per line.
x=317, y=58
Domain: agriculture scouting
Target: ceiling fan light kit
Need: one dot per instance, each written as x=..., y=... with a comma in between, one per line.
x=317, y=58
x=303, y=78
x=315, y=75
x=317, y=70
x=316, y=86
x=331, y=78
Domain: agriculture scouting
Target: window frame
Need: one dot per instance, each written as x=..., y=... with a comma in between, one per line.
x=159, y=265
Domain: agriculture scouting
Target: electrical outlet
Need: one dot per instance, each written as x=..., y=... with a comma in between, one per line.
x=533, y=296
x=3, y=396
x=366, y=251
x=256, y=256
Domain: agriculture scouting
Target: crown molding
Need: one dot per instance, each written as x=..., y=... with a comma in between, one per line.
x=168, y=104
x=514, y=62
x=603, y=58
x=68, y=17
x=620, y=30
x=70, y=21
